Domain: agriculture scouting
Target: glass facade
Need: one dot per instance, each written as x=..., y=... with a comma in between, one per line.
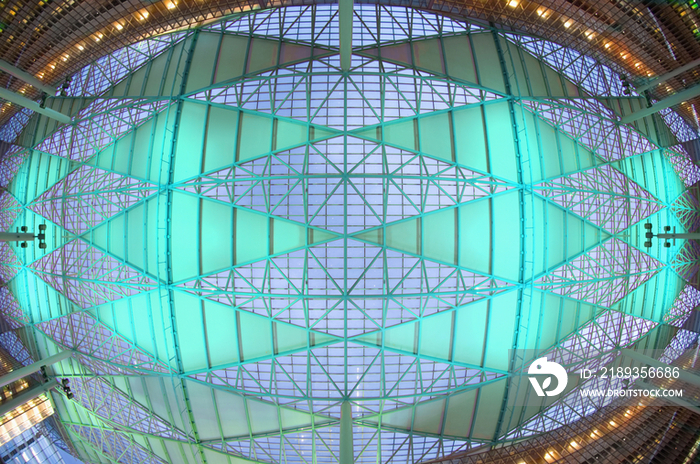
x=30, y=447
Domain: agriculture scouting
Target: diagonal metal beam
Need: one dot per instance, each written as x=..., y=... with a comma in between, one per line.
x=32, y=105
x=673, y=100
x=682, y=374
x=26, y=77
x=663, y=78
x=18, y=401
x=32, y=368
x=673, y=399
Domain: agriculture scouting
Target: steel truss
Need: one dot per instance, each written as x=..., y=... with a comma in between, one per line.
x=240, y=246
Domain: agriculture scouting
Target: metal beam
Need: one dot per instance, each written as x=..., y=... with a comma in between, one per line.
x=663, y=78
x=28, y=395
x=28, y=78
x=675, y=99
x=689, y=236
x=16, y=237
x=32, y=105
x=347, y=455
x=682, y=374
x=32, y=368
x=345, y=14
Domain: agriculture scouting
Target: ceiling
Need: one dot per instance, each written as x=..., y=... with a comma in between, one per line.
x=231, y=257
x=643, y=39
x=241, y=238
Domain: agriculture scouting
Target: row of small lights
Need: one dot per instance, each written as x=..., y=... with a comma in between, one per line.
x=552, y=455
x=140, y=15
x=568, y=23
x=544, y=13
x=143, y=14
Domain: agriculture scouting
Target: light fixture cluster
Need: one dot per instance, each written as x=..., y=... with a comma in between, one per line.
x=577, y=443
x=572, y=26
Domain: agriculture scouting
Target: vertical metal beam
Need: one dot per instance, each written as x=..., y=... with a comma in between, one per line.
x=32, y=105
x=345, y=14
x=346, y=449
x=674, y=99
x=26, y=77
x=32, y=368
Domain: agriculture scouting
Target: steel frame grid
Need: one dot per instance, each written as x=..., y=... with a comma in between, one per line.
x=268, y=446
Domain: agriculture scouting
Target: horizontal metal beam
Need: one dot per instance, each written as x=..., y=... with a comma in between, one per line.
x=689, y=236
x=26, y=77
x=32, y=105
x=673, y=100
x=32, y=368
x=16, y=237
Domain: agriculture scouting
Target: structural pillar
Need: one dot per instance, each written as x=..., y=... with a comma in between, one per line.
x=346, y=449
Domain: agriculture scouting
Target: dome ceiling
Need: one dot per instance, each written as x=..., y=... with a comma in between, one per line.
x=241, y=238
